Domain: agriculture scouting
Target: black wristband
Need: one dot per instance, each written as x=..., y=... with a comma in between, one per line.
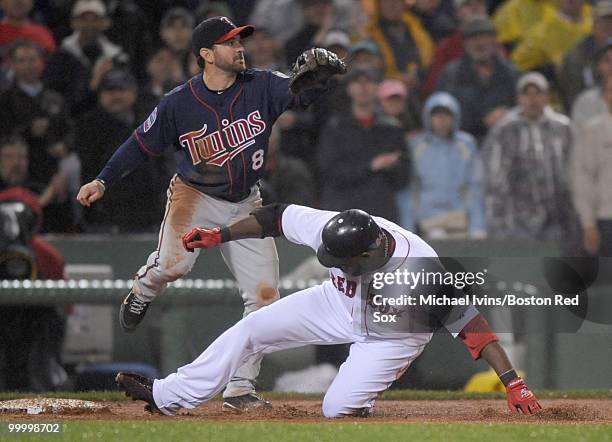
x=225, y=234
x=508, y=377
x=269, y=218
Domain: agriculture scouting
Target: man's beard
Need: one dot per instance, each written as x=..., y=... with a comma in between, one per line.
x=239, y=65
x=482, y=57
x=235, y=66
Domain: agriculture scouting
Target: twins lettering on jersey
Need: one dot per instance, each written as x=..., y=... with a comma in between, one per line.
x=217, y=148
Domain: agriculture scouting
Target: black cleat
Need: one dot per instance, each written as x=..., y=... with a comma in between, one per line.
x=246, y=402
x=138, y=388
x=131, y=312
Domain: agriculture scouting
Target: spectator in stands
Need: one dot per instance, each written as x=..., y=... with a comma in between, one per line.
x=133, y=31
x=544, y=46
x=241, y=9
x=514, y=18
x=175, y=31
x=34, y=111
x=334, y=102
x=578, y=71
x=264, y=52
x=365, y=54
x=287, y=178
x=451, y=47
x=406, y=47
x=299, y=131
x=435, y=18
x=137, y=206
x=319, y=19
x=299, y=128
x=593, y=177
x=283, y=17
x=527, y=167
x=216, y=8
x=362, y=154
x=445, y=197
x=38, y=114
x=32, y=336
x=164, y=73
x=84, y=57
x=16, y=24
x=397, y=102
x=482, y=81
x=591, y=102
x=14, y=163
x=338, y=42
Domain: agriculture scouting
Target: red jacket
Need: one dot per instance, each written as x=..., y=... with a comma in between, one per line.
x=449, y=49
x=49, y=261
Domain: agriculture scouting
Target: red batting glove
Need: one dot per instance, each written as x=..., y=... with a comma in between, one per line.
x=520, y=398
x=199, y=238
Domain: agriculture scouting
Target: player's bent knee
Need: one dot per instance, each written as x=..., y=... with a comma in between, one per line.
x=266, y=295
x=176, y=270
x=335, y=408
x=334, y=413
x=252, y=326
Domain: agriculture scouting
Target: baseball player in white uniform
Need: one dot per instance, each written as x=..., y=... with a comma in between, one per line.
x=354, y=246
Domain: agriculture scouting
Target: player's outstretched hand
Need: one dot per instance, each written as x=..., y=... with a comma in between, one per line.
x=90, y=192
x=199, y=238
x=520, y=398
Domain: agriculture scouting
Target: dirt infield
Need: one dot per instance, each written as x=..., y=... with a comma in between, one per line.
x=557, y=411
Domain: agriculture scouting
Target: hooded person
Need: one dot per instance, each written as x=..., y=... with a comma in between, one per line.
x=445, y=197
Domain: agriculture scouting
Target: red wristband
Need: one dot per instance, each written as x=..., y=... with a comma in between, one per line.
x=476, y=335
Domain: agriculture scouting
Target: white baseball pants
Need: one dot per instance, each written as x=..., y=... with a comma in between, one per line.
x=311, y=316
x=253, y=262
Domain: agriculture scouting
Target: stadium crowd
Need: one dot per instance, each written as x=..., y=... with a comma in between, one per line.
x=457, y=118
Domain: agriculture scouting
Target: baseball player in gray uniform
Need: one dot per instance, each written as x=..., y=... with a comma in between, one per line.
x=219, y=123
x=355, y=246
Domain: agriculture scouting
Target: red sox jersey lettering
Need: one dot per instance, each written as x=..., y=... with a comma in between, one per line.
x=211, y=148
x=345, y=286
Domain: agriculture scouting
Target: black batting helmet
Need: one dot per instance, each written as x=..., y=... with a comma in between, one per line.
x=348, y=234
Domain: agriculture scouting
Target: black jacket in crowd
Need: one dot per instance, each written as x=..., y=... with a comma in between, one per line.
x=346, y=149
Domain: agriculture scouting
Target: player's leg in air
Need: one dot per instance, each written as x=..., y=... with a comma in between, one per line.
x=170, y=261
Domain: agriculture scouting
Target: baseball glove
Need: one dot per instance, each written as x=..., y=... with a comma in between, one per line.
x=313, y=68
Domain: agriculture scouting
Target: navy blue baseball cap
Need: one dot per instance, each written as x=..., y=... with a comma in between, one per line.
x=216, y=30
